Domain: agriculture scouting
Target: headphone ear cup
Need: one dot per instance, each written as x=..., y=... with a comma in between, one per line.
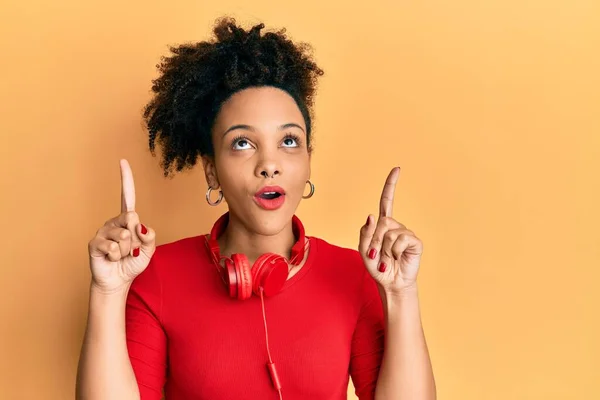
x=231, y=278
x=270, y=271
x=242, y=265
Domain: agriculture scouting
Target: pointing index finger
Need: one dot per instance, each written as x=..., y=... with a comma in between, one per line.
x=127, y=187
x=386, y=203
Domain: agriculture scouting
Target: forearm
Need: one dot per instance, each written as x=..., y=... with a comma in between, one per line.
x=406, y=372
x=104, y=370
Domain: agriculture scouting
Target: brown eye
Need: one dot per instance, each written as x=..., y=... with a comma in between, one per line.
x=240, y=143
x=291, y=141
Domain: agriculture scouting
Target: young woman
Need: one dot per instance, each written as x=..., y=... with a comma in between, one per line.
x=255, y=309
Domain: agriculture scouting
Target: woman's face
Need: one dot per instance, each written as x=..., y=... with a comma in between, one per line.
x=261, y=158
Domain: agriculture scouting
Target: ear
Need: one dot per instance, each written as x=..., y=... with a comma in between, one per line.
x=210, y=172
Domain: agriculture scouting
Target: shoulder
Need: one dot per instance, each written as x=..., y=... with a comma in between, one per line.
x=339, y=257
x=333, y=249
x=174, y=255
x=183, y=247
x=343, y=264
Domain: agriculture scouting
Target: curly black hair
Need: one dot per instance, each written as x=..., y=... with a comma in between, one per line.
x=197, y=78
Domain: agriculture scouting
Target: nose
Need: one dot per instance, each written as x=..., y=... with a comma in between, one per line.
x=268, y=168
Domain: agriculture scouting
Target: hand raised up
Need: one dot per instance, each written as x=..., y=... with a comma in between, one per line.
x=122, y=247
x=390, y=251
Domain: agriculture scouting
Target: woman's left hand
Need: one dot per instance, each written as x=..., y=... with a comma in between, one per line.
x=390, y=251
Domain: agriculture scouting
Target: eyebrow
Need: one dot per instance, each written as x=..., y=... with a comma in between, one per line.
x=251, y=128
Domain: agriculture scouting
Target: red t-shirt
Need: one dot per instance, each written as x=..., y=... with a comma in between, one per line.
x=186, y=335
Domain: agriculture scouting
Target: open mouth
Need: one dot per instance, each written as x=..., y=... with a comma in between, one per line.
x=270, y=195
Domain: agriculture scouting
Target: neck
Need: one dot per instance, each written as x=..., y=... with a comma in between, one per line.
x=238, y=238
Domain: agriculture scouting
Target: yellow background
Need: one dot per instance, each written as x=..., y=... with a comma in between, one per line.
x=491, y=108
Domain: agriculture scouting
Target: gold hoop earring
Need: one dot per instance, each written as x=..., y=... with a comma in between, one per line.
x=213, y=203
x=312, y=190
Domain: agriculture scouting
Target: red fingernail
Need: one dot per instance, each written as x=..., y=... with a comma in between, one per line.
x=382, y=267
x=136, y=252
x=144, y=230
x=372, y=254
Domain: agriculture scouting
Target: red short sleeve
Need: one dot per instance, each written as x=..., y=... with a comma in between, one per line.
x=146, y=339
x=367, y=342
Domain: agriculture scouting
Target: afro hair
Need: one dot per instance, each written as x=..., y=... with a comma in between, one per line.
x=195, y=80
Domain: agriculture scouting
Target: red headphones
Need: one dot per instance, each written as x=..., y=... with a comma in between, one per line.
x=269, y=272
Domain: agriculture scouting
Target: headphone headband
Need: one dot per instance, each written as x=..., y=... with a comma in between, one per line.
x=297, y=254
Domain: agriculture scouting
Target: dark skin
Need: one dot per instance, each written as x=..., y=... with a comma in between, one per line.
x=273, y=151
x=390, y=251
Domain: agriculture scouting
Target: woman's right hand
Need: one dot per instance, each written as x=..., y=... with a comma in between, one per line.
x=123, y=247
